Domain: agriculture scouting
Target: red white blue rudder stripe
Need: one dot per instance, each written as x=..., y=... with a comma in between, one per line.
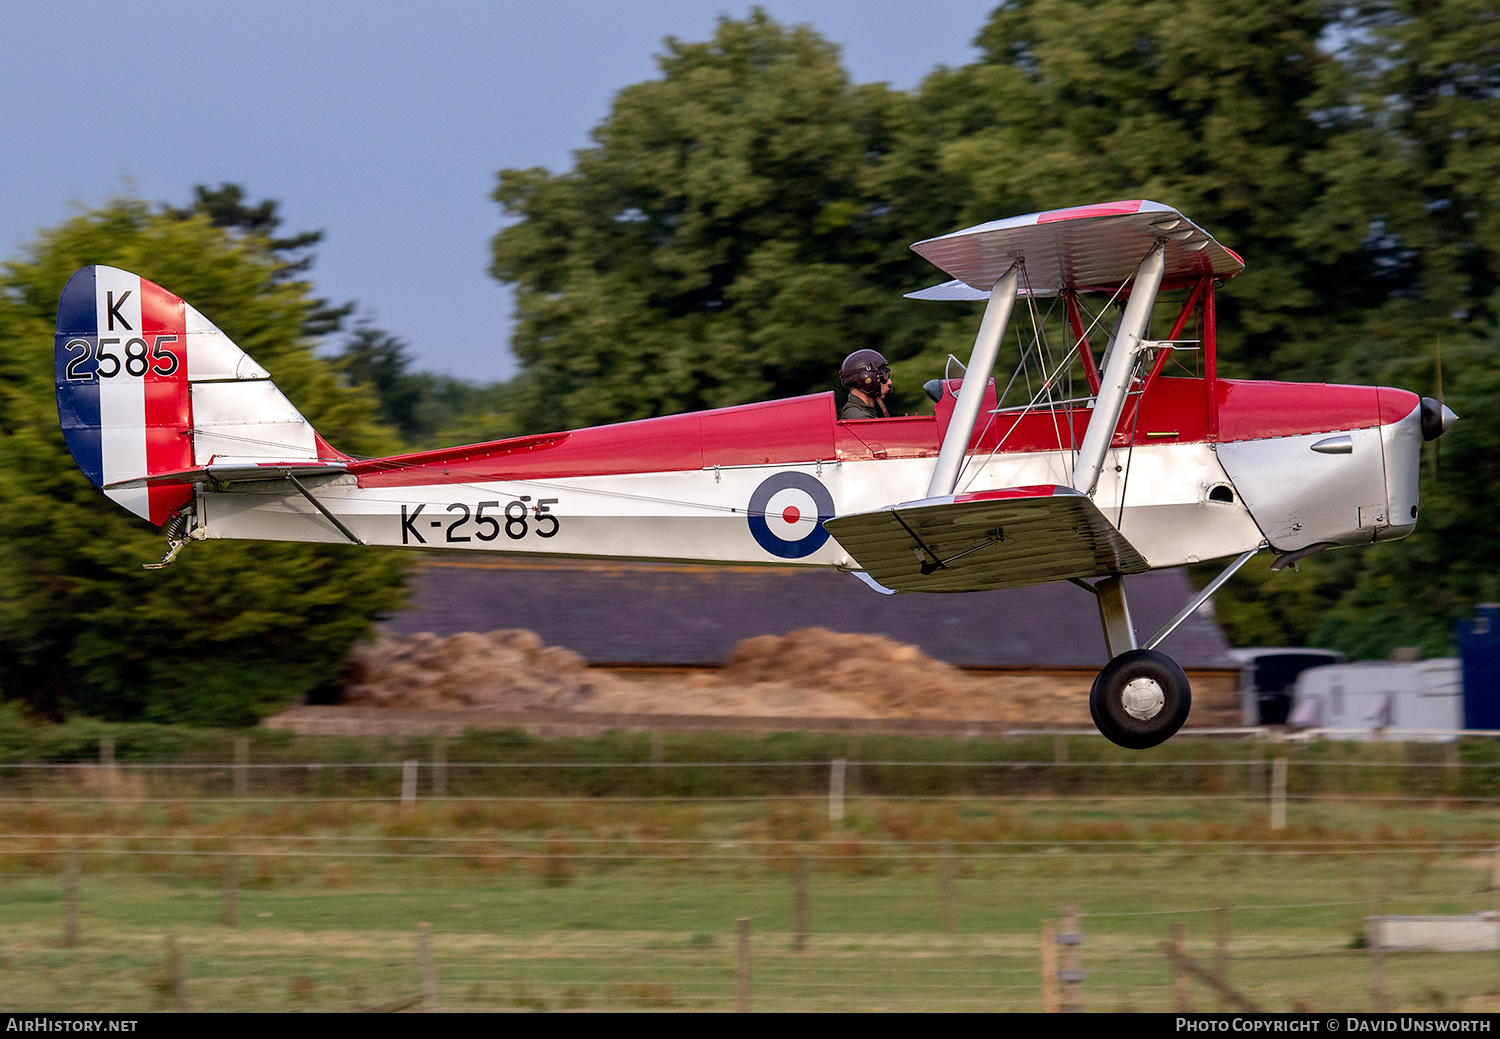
x=122, y=387
x=146, y=386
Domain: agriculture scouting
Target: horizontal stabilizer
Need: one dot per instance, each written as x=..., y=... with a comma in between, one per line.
x=989, y=539
x=238, y=472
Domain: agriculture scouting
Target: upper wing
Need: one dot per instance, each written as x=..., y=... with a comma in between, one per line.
x=1083, y=248
x=991, y=539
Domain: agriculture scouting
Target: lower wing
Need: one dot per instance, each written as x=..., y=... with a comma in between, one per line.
x=990, y=539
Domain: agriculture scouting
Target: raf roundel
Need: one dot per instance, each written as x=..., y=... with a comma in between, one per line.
x=787, y=513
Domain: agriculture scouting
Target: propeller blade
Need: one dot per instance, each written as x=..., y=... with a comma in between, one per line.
x=1437, y=453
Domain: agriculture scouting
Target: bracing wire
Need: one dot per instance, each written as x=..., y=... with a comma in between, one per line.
x=1030, y=406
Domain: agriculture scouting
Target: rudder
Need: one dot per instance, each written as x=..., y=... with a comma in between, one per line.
x=147, y=386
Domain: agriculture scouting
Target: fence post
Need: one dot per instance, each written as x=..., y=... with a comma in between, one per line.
x=1377, y=959
x=945, y=881
x=179, y=979
x=107, y=764
x=799, y=902
x=1278, y=793
x=1071, y=975
x=408, y=785
x=742, y=966
x=1451, y=774
x=70, y=900
x=1495, y=883
x=439, y=766
x=242, y=766
x=836, y=790
x=428, y=969
x=1221, y=950
x=1049, y=968
x=1181, y=992
x=231, y=888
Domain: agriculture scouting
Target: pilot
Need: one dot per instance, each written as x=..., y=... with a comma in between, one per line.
x=868, y=378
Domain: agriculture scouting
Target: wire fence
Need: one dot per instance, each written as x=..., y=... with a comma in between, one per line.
x=1284, y=777
x=834, y=884
x=142, y=921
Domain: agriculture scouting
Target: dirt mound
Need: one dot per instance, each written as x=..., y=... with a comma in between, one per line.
x=808, y=673
x=888, y=677
x=509, y=670
x=812, y=673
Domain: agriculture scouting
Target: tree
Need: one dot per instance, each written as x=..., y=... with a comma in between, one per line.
x=427, y=410
x=1198, y=104
x=1410, y=207
x=231, y=631
x=378, y=360
x=727, y=238
x=291, y=256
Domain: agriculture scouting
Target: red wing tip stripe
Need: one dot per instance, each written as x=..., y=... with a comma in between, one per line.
x=1034, y=491
x=1101, y=209
x=1041, y=490
x=1046, y=490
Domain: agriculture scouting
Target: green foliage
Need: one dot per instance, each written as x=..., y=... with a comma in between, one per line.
x=1408, y=207
x=1262, y=607
x=427, y=410
x=225, y=207
x=231, y=631
x=1199, y=104
x=728, y=238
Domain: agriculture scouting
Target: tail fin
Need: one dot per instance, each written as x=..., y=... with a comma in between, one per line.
x=148, y=387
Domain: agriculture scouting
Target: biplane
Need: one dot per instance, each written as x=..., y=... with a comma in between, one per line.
x=1111, y=451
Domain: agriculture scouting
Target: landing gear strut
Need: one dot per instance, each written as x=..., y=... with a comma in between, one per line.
x=1142, y=697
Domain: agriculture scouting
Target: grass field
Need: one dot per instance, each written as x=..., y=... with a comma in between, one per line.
x=604, y=904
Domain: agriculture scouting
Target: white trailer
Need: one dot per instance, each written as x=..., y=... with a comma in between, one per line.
x=1354, y=700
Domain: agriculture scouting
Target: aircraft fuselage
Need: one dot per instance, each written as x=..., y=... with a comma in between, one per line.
x=1283, y=464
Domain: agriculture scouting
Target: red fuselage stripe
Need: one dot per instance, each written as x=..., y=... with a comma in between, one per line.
x=804, y=430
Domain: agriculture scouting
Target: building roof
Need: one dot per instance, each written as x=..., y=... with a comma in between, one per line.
x=669, y=614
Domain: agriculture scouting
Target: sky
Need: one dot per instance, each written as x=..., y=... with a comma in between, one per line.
x=381, y=124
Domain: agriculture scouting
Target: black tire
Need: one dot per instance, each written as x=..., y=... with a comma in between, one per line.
x=1107, y=699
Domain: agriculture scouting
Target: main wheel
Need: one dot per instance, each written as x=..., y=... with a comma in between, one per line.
x=1140, y=699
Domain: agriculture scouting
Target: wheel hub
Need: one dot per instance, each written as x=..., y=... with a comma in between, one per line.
x=1143, y=699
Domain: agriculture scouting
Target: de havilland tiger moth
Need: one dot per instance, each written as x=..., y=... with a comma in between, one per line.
x=1137, y=470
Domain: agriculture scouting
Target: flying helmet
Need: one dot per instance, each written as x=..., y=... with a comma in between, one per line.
x=864, y=370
